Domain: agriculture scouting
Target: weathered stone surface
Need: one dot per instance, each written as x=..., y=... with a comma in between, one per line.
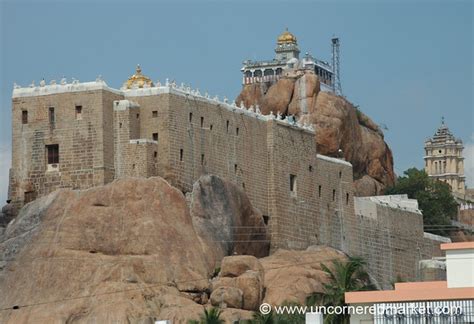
x=251, y=284
x=306, y=89
x=130, y=249
x=222, y=215
x=278, y=97
x=234, y=266
x=228, y=296
x=7, y=213
x=252, y=94
x=339, y=126
x=366, y=186
x=291, y=276
x=244, y=273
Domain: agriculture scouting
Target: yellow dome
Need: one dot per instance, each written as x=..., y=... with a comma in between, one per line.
x=286, y=38
x=138, y=80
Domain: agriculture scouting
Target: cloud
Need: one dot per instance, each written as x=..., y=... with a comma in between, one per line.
x=469, y=162
x=5, y=162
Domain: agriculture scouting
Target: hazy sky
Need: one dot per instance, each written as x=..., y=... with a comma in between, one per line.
x=404, y=63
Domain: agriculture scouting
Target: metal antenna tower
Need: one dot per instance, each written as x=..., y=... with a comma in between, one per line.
x=336, y=65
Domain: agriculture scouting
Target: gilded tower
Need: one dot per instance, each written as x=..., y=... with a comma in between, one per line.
x=444, y=159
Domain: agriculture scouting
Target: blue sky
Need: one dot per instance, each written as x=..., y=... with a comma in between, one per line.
x=405, y=63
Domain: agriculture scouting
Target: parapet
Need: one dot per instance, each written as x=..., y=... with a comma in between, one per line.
x=157, y=89
x=44, y=89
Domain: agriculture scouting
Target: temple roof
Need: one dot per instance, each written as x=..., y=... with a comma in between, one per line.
x=287, y=38
x=138, y=80
x=443, y=134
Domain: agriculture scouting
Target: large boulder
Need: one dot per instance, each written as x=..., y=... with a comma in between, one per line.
x=305, y=92
x=124, y=252
x=244, y=273
x=227, y=296
x=234, y=266
x=252, y=94
x=222, y=215
x=292, y=276
x=113, y=243
x=339, y=126
x=278, y=97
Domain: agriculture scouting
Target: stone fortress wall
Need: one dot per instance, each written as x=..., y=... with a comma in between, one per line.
x=178, y=134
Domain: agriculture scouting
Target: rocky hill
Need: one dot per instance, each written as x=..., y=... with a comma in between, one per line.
x=338, y=123
x=137, y=250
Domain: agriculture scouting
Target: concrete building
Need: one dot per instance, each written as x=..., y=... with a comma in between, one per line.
x=444, y=159
x=287, y=56
x=449, y=301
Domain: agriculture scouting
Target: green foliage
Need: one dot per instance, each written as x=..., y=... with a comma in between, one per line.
x=216, y=272
x=344, y=277
x=211, y=316
x=434, y=198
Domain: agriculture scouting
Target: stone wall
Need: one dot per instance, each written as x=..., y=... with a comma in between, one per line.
x=85, y=143
x=391, y=240
x=305, y=198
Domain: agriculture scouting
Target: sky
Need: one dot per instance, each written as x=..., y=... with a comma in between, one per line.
x=405, y=63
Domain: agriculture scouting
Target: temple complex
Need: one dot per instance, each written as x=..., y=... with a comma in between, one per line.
x=287, y=56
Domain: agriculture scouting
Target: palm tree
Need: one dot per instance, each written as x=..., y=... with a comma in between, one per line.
x=211, y=316
x=345, y=277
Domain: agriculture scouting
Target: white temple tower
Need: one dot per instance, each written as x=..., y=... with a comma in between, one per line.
x=444, y=159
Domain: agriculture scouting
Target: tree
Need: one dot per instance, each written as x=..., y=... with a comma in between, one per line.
x=434, y=198
x=211, y=316
x=344, y=277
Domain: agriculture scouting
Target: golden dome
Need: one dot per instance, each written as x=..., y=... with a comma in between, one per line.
x=138, y=80
x=286, y=38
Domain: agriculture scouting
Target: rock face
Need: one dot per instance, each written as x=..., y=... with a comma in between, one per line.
x=291, y=276
x=338, y=124
x=244, y=273
x=222, y=215
x=131, y=252
x=128, y=248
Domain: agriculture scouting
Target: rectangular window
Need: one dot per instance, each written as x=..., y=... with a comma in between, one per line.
x=333, y=194
x=154, y=113
x=181, y=154
x=202, y=159
x=227, y=127
x=52, y=152
x=347, y=199
x=155, y=137
x=292, y=183
x=190, y=117
x=202, y=122
x=24, y=117
x=52, y=116
x=78, y=112
x=319, y=191
x=237, y=131
x=29, y=196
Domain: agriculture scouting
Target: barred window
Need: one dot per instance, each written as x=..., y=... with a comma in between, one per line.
x=52, y=152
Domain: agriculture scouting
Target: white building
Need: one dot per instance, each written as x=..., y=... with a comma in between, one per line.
x=450, y=301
